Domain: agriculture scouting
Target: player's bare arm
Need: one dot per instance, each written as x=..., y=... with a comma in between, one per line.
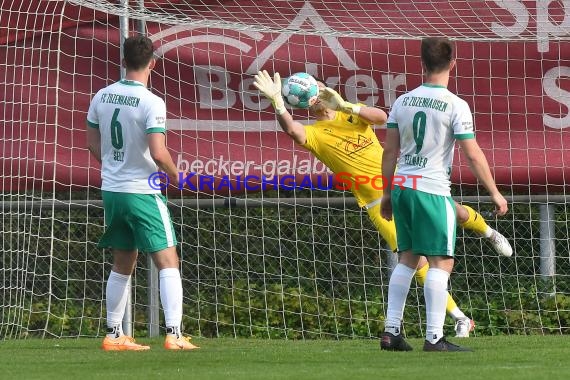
x=389, y=159
x=480, y=167
x=373, y=115
x=271, y=89
x=94, y=142
x=161, y=156
x=334, y=100
x=293, y=128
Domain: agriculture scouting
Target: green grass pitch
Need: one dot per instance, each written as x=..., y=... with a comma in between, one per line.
x=501, y=357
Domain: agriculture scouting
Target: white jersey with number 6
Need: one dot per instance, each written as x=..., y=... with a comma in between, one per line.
x=125, y=112
x=429, y=119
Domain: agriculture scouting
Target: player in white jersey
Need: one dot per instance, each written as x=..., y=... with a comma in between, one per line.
x=126, y=133
x=422, y=129
x=130, y=112
x=430, y=154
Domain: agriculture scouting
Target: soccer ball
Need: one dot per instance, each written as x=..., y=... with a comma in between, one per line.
x=300, y=90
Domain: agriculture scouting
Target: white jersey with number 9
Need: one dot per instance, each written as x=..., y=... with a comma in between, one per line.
x=429, y=119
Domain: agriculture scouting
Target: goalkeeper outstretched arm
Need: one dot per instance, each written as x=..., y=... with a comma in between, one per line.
x=271, y=89
x=333, y=100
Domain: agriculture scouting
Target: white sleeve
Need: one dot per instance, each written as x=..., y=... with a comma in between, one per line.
x=92, y=117
x=156, y=117
x=462, y=121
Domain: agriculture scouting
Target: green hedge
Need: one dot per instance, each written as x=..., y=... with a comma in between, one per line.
x=273, y=272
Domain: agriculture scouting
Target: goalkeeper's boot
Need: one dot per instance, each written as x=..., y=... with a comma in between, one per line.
x=501, y=244
x=172, y=342
x=391, y=342
x=122, y=343
x=463, y=326
x=443, y=345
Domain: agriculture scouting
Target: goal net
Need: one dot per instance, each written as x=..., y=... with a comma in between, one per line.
x=258, y=259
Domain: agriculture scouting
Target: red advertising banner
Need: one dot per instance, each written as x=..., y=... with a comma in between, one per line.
x=519, y=91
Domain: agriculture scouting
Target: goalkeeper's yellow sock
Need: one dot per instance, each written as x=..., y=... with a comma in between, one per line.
x=387, y=229
x=451, y=306
x=476, y=222
x=421, y=274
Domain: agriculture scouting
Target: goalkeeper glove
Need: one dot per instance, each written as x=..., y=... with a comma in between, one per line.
x=271, y=89
x=333, y=100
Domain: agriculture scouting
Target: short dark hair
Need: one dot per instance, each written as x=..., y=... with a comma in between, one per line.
x=320, y=80
x=138, y=51
x=437, y=53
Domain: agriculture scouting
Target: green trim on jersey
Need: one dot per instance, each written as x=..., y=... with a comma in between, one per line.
x=433, y=85
x=464, y=136
x=131, y=82
x=392, y=125
x=155, y=130
x=92, y=125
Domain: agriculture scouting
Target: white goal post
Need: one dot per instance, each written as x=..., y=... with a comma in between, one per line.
x=280, y=263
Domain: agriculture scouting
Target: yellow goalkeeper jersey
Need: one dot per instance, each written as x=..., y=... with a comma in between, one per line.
x=348, y=144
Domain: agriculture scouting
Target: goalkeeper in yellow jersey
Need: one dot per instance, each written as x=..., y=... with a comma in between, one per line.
x=343, y=139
